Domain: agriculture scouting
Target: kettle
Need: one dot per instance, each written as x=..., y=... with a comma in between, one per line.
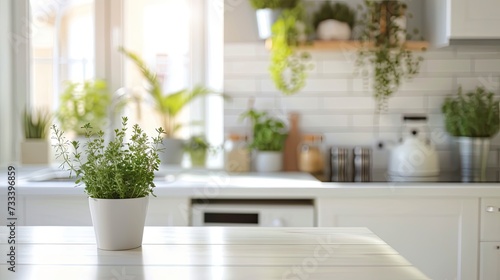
x=415, y=158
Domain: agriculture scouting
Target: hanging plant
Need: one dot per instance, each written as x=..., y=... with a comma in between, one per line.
x=289, y=66
x=383, y=55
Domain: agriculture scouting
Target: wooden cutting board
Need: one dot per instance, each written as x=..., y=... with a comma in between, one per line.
x=290, y=152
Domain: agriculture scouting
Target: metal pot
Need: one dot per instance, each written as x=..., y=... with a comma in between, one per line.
x=473, y=158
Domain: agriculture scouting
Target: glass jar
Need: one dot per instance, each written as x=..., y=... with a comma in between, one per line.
x=311, y=154
x=236, y=153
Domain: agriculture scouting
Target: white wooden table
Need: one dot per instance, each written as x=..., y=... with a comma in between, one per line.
x=207, y=253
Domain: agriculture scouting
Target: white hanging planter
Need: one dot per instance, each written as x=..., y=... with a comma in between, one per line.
x=266, y=161
x=118, y=223
x=265, y=20
x=331, y=29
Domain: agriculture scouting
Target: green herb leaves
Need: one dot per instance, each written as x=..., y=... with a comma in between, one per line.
x=117, y=170
x=269, y=134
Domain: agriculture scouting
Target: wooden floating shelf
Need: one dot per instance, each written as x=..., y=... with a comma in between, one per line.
x=351, y=45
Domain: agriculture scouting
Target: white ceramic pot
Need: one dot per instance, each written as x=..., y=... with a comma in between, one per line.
x=35, y=151
x=265, y=21
x=118, y=223
x=266, y=161
x=331, y=29
x=173, y=151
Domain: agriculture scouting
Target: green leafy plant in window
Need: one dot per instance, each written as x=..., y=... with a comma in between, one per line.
x=37, y=123
x=273, y=4
x=383, y=55
x=197, y=147
x=289, y=67
x=83, y=103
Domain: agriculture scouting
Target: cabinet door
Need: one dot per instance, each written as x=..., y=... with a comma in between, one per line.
x=57, y=211
x=438, y=236
x=490, y=219
x=475, y=19
x=490, y=261
x=168, y=211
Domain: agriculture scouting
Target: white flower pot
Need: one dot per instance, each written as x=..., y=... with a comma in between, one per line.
x=268, y=161
x=331, y=29
x=118, y=223
x=35, y=151
x=173, y=151
x=265, y=20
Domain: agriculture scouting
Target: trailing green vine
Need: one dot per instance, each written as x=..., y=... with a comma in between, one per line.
x=383, y=55
x=288, y=65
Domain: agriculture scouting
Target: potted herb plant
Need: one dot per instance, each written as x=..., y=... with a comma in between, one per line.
x=168, y=106
x=268, y=11
x=383, y=56
x=83, y=103
x=197, y=147
x=118, y=178
x=269, y=135
x=35, y=149
x=473, y=119
x=334, y=21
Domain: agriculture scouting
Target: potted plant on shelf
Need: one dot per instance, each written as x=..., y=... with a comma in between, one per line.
x=269, y=135
x=383, y=56
x=289, y=65
x=35, y=149
x=197, y=148
x=268, y=11
x=118, y=179
x=473, y=119
x=83, y=103
x=168, y=106
x=334, y=21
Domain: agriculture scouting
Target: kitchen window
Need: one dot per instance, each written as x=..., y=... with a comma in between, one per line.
x=77, y=40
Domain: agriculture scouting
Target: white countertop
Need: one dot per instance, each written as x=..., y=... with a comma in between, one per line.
x=208, y=253
x=196, y=183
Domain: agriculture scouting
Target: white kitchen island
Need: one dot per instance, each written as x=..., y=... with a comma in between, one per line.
x=208, y=253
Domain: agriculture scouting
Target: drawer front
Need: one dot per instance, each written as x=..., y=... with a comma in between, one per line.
x=489, y=268
x=490, y=219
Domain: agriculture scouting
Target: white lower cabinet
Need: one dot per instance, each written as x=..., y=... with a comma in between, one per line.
x=74, y=211
x=438, y=236
x=490, y=261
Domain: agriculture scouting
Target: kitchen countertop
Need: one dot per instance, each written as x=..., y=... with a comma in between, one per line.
x=203, y=183
x=208, y=253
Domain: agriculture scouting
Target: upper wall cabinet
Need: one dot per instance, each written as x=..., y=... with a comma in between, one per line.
x=457, y=22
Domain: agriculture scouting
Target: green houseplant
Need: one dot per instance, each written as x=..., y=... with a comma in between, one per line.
x=383, y=55
x=334, y=21
x=118, y=178
x=472, y=118
x=289, y=66
x=35, y=148
x=269, y=135
x=197, y=147
x=83, y=103
x=168, y=106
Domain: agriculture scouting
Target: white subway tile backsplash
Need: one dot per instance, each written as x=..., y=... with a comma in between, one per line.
x=487, y=65
x=240, y=86
x=347, y=103
x=325, y=120
x=340, y=105
x=448, y=66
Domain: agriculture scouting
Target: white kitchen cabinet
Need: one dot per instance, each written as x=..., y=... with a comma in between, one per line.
x=462, y=21
x=74, y=211
x=490, y=219
x=490, y=261
x=439, y=236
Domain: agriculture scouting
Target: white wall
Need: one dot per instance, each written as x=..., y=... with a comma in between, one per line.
x=5, y=83
x=336, y=103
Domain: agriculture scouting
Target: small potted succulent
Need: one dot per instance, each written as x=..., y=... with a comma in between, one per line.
x=334, y=21
x=35, y=148
x=473, y=119
x=197, y=147
x=269, y=135
x=118, y=178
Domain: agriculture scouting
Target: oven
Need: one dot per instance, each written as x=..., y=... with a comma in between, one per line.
x=253, y=212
